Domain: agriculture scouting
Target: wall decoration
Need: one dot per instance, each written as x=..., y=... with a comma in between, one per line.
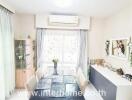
x=107, y=47
x=130, y=51
x=119, y=47
x=131, y=59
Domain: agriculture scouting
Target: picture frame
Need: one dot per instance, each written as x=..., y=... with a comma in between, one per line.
x=119, y=48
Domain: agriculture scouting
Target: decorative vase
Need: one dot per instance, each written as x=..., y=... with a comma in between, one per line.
x=55, y=69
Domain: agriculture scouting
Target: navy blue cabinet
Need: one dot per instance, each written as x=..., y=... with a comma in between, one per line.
x=103, y=84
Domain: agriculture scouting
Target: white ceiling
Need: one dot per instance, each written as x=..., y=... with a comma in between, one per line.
x=96, y=8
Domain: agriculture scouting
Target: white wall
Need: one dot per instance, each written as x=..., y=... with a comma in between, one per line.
x=116, y=26
x=119, y=26
x=95, y=38
x=24, y=24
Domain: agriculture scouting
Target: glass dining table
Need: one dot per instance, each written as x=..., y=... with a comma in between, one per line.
x=57, y=87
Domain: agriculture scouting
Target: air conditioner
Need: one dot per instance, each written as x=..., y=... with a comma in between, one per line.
x=63, y=20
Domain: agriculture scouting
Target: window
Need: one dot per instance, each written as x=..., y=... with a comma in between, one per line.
x=62, y=45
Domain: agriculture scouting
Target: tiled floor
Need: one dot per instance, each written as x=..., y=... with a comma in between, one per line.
x=90, y=94
x=19, y=95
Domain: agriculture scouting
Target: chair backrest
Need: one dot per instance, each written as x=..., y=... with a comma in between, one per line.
x=39, y=73
x=82, y=81
x=31, y=84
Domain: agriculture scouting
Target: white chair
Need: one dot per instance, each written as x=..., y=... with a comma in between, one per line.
x=82, y=81
x=41, y=72
x=31, y=85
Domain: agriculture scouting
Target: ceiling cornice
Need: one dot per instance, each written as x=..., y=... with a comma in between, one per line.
x=7, y=6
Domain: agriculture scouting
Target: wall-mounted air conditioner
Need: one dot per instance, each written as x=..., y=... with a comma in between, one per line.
x=63, y=20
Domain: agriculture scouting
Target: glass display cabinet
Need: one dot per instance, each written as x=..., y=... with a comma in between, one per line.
x=20, y=54
x=24, y=61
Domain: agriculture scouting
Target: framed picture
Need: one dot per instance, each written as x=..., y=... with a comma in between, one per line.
x=119, y=47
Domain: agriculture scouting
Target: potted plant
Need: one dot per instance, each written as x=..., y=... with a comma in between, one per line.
x=55, y=61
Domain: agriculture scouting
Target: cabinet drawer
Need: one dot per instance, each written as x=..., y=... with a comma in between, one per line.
x=103, y=84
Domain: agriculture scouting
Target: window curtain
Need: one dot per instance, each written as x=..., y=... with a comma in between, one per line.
x=7, y=66
x=40, y=40
x=62, y=45
x=83, y=57
x=58, y=44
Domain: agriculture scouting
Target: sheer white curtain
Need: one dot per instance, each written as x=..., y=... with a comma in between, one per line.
x=2, y=85
x=83, y=56
x=6, y=53
x=40, y=46
x=62, y=45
